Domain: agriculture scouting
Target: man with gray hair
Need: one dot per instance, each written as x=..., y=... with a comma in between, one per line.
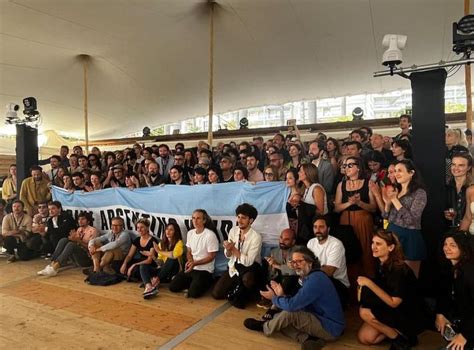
x=311, y=317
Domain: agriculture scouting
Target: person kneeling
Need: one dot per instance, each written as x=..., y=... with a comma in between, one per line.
x=73, y=247
x=311, y=317
x=243, y=250
x=389, y=304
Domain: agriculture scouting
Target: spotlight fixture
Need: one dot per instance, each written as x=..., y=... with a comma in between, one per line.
x=357, y=113
x=463, y=35
x=244, y=123
x=146, y=131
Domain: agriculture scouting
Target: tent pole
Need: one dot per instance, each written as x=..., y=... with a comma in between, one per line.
x=211, y=72
x=85, y=60
x=467, y=80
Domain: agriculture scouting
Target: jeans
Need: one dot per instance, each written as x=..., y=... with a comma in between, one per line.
x=67, y=249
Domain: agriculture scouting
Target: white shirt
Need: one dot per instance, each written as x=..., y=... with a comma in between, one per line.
x=201, y=244
x=309, y=199
x=250, y=249
x=331, y=253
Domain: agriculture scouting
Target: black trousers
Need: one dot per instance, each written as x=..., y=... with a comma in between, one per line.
x=25, y=250
x=197, y=282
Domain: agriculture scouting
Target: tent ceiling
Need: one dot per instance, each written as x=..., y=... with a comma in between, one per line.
x=150, y=57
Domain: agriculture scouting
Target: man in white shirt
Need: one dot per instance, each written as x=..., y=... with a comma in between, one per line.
x=202, y=247
x=243, y=250
x=331, y=254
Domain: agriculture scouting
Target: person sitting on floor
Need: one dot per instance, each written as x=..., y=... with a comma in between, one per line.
x=332, y=257
x=389, y=304
x=141, y=253
x=455, y=297
x=110, y=248
x=16, y=232
x=170, y=261
x=243, y=249
x=311, y=317
x=59, y=225
x=277, y=269
x=73, y=247
x=202, y=247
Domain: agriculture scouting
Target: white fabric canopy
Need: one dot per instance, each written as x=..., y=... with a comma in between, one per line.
x=150, y=58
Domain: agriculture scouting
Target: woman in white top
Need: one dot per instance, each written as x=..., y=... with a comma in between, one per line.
x=313, y=202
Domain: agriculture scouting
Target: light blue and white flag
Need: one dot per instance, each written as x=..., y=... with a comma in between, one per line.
x=167, y=203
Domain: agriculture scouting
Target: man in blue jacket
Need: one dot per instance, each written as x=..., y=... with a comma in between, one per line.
x=311, y=317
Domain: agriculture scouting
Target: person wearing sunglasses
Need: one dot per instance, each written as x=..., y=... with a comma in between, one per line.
x=356, y=203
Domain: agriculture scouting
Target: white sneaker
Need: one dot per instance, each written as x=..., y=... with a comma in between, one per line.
x=50, y=272
x=42, y=272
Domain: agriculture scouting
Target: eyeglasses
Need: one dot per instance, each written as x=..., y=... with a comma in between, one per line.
x=298, y=261
x=268, y=174
x=349, y=165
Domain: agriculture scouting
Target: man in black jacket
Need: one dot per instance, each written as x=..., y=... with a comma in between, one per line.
x=59, y=224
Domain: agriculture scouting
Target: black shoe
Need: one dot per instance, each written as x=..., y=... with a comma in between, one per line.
x=313, y=343
x=400, y=343
x=238, y=303
x=87, y=271
x=254, y=325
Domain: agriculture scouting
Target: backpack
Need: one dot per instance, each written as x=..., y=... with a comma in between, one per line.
x=103, y=279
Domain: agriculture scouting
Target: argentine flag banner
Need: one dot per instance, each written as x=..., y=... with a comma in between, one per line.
x=168, y=203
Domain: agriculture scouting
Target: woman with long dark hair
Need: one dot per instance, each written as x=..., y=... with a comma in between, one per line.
x=333, y=152
x=293, y=199
x=389, y=305
x=455, y=302
x=313, y=202
x=404, y=205
x=169, y=261
x=401, y=149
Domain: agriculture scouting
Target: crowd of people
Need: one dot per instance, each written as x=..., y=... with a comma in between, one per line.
x=354, y=237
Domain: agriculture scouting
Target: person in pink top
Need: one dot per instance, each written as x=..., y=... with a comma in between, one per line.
x=73, y=247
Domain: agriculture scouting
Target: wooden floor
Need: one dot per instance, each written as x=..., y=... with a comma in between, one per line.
x=64, y=312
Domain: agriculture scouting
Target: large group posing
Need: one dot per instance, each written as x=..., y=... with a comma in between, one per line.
x=354, y=237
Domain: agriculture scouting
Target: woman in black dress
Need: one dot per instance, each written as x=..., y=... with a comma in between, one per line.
x=455, y=302
x=389, y=304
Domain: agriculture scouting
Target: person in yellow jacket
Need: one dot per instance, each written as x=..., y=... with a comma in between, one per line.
x=34, y=189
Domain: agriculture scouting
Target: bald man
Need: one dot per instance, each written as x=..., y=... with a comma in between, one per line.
x=377, y=143
x=277, y=267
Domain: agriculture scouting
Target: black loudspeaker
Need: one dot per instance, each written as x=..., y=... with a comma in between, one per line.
x=26, y=151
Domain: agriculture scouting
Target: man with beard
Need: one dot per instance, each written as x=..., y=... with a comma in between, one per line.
x=152, y=176
x=34, y=189
x=311, y=317
x=165, y=161
x=243, y=249
x=331, y=255
x=115, y=177
x=255, y=175
x=74, y=247
x=16, y=232
x=325, y=170
x=187, y=170
x=277, y=269
x=54, y=162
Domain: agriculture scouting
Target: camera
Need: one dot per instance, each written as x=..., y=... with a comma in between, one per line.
x=11, y=117
x=394, y=43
